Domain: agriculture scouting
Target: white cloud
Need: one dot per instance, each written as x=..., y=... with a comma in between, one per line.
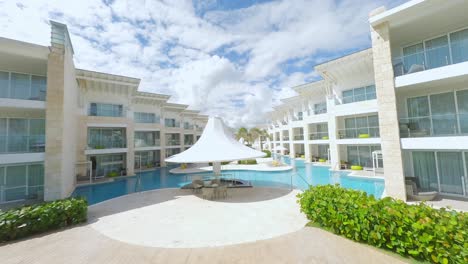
x=174, y=51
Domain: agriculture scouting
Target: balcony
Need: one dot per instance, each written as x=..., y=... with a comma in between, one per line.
x=318, y=136
x=362, y=132
x=285, y=138
x=434, y=126
x=433, y=57
x=106, y=138
x=189, y=127
x=145, y=143
x=22, y=86
x=22, y=144
x=172, y=142
x=298, y=137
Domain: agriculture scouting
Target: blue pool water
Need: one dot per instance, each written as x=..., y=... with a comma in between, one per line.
x=301, y=177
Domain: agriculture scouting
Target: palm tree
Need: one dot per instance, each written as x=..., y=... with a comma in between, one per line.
x=242, y=133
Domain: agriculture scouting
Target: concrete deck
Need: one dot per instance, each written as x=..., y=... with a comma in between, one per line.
x=175, y=218
x=119, y=231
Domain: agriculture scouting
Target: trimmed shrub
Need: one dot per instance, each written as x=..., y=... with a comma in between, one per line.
x=247, y=162
x=419, y=231
x=28, y=220
x=268, y=153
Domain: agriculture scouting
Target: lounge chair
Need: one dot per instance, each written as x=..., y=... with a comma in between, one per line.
x=221, y=191
x=413, y=194
x=208, y=193
x=197, y=185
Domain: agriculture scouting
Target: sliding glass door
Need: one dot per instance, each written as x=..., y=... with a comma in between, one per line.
x=440, y=171
x=437, y=52
x=425, y=170
x=444, y=118
x=462, y=102
x=450, y=172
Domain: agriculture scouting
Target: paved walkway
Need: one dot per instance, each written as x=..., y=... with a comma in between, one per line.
x=142, y=228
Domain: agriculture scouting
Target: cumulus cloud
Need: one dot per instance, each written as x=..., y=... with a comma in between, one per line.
x=231, y=62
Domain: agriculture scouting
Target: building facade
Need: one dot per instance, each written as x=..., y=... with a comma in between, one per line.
x=400, y=106
x=61, y=126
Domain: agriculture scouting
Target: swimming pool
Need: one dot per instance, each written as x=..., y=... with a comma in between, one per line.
x=301, y=177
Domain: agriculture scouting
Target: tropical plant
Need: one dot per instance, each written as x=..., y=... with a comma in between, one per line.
x=28, y=220
x=419, y=231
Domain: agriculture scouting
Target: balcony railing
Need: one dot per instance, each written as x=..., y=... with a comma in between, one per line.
x=435, y=125
x=144, y=143
x=176, y=124
x=430, y=59
x=188, y=142
x=172, y=142
x=298, y=137
x=318, y=136
x=188, y=127
x=362, y=132
x=22, y=144
x=285, y=138
x=107, y=143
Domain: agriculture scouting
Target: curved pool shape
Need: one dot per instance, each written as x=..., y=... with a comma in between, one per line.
x=300, y=177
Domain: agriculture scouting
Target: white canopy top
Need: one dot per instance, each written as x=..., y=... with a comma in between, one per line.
x=216, y=144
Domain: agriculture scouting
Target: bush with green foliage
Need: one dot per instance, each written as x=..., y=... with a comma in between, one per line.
x=222, y=163
x=28, y=220
x=419, y=231
x=111, y=174
x=247, y=162
x=268, y=153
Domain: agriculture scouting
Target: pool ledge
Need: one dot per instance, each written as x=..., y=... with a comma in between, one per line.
x=257, y=167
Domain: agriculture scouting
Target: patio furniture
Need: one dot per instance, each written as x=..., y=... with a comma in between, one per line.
x=197, y=185
x=208, y=193
x=221, y=191
x=344, y=165
x=413, y=193
x=356, y=167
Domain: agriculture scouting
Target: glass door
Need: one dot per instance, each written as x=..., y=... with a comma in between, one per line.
x=437, y=52
x=450, y=172
x=444, y=121
x=425, y=170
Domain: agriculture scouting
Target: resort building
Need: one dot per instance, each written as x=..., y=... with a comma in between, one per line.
x=401, y=105
x=61, y=126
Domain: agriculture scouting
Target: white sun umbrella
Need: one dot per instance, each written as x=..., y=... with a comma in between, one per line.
x=216, y=144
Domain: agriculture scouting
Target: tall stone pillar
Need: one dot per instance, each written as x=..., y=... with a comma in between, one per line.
x=130, y=134
x=307, y=153
x=332, y=132
x=292, y=152
x=388, y=117
x=61, y=117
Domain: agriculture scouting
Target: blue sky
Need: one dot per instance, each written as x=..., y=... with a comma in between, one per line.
x=234, y=59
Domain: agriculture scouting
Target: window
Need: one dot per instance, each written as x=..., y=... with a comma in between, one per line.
x=361, y=127
x=22, y=86
x=102, y=138
x=147, y=159
x=320, y=108
x=437, y=52
x=359, y=94
x=145, y=117
x=22, y=182
x=106, y=164
x=4, y=84
x=112, y=110
x=171, y=122
x=462, y=103
x=459, y=46
x=146, y=139
x=361, y=155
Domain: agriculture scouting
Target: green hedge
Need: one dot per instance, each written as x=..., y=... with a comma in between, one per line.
x=268, y=153
x=419, y=231
x=247, y=162
x=28, y=220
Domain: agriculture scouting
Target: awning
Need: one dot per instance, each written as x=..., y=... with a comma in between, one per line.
x=216, y=144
